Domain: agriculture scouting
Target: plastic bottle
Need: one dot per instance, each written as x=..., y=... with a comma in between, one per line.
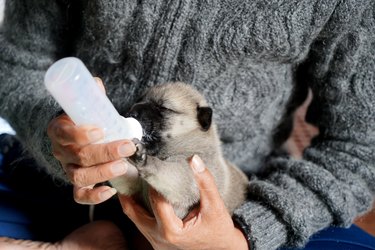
x=74, y=88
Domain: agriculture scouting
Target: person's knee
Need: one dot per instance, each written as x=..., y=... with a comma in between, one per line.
x=95, y=235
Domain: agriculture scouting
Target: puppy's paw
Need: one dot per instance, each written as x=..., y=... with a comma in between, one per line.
x=139, y=158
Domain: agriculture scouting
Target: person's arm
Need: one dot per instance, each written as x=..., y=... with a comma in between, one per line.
x=31, y=39
x=334, y=182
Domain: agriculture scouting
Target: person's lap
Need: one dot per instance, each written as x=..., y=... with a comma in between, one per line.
x=32, y=206
x=340, y=238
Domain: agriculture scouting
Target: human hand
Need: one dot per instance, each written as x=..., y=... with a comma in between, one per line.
x=209, y=226
x=85, y=163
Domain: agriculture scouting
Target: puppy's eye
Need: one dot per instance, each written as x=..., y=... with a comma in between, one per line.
x=166, y=109
x=162, y=107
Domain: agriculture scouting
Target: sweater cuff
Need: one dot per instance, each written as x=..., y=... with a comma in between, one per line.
x=260, y=225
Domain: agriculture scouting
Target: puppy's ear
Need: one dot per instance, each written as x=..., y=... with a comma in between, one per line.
x=204, y=117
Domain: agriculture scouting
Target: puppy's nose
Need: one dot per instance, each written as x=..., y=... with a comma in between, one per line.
x=137, y=110
x=132, y=113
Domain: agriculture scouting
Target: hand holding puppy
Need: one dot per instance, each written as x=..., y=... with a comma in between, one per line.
x=209, y=226
x=85, y=163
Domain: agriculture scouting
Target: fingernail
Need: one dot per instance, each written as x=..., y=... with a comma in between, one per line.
x=119, y=168
x=198, y=164
x=107, y=194
x=126, y=149
x=95, y=134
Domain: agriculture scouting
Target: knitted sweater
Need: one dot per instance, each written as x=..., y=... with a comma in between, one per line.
x=251, y=59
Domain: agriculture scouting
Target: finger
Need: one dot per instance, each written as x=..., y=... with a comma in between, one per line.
x=210, y=198
x=94, y=154
x=193, y=219
x=164, y=213
x=58, y=151
x=136, y=213
x=100, y=84
x=90, y=195
x=83, y=177
x=63, y=131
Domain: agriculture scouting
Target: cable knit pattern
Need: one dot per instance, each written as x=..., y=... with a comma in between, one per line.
x=247, y=58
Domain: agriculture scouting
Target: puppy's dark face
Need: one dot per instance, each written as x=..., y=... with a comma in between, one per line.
x=170, y=112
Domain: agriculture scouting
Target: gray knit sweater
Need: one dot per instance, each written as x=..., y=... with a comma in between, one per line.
x=251, y=59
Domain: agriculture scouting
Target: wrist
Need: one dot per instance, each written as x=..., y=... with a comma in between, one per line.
x=241, y=241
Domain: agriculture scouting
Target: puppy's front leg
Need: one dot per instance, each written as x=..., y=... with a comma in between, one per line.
x=130, y=183
x=172, y=178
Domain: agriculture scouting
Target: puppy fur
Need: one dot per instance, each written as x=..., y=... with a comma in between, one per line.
x=178, y=124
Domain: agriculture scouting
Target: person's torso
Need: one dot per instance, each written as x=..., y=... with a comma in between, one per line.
x=241, y=55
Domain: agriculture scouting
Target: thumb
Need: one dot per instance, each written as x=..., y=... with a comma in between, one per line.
x=100, y=84
x=210, y=198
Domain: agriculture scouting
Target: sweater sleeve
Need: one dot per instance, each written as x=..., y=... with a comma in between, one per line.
x=334, y=181
x=30, y=41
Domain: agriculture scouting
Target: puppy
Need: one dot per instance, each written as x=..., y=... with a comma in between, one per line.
x=178, y=124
